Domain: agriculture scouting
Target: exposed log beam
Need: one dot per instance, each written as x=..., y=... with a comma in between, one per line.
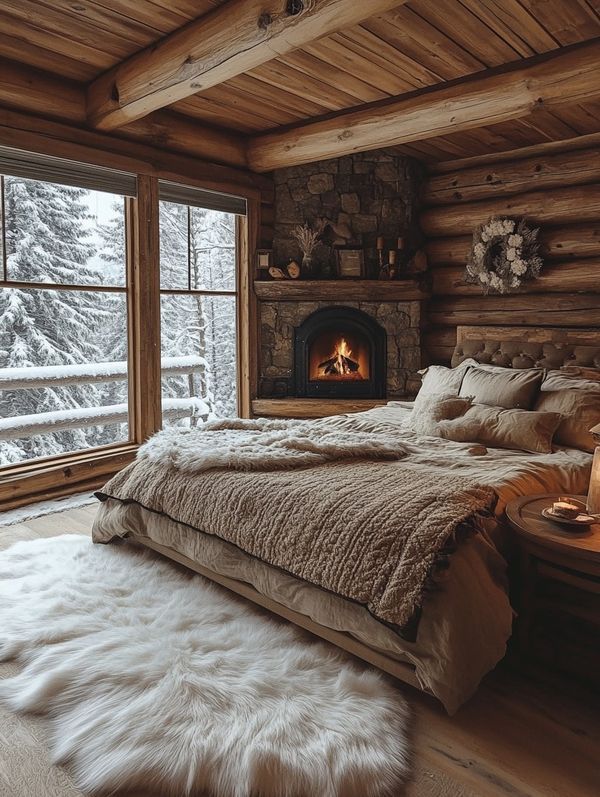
x=235, y=37
x=546, y=148
x=569, y=75
x=576, y=276
x=556, y=309
x=28, y=89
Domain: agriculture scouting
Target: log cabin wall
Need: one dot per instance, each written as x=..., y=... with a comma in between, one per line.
x=560, y=193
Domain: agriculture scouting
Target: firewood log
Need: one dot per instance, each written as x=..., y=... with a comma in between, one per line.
x=277, y=273
x=293, y=270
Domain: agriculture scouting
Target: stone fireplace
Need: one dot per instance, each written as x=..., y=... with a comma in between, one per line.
x=340, y=352
x=283, y=323
x=358, y=197
x=328, y=338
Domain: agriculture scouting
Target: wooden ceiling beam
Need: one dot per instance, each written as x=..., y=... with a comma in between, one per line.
x=226, y=42
x=565, y=76
x=28, y=89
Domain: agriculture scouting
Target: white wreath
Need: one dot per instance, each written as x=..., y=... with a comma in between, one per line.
x=504, y=254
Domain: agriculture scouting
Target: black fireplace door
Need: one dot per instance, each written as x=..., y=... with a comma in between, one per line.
x=340, y=352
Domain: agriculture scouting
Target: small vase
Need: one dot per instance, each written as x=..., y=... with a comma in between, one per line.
x=307, y=264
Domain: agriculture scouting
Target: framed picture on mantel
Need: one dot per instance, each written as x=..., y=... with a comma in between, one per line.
x=350, y=262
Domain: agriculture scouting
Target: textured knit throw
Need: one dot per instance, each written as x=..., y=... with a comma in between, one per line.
x=370, y=531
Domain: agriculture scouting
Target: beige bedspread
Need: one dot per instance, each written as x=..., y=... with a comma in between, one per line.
x=370, y=531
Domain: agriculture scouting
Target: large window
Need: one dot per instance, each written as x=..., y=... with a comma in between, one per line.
x=79, y=286
x=198, y=312
x=63, y=319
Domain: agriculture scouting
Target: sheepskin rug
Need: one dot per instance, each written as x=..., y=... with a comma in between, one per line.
x=157, y=679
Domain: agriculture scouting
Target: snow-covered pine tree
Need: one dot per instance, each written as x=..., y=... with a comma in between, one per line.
x=198, y=246
x=183, y=322
x=111, y=251
x=213, y=260
x=47, y=241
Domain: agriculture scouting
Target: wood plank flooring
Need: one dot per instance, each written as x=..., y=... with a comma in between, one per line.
x=519, y=736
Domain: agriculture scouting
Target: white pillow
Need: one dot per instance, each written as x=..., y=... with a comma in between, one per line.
x=429, y=410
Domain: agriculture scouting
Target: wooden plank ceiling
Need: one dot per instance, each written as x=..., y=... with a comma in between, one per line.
x=416, y=45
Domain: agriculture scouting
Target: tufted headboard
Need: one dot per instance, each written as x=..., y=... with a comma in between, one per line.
x=528, y=347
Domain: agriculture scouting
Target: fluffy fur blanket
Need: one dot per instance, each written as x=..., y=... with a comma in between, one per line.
x=267, y=445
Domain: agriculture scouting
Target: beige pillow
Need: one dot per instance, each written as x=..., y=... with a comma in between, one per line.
x=438, y=379
x=581, y=371
x=580, y=410
x=428, y=411
x=509, y=388
x=561, y=380
x=502, y=428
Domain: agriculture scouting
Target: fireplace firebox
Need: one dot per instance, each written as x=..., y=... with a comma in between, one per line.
x=340, y=352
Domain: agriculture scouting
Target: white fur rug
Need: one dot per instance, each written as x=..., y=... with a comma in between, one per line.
x=157, y=679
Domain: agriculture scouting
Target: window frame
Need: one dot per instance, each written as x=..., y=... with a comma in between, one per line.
x=189, y=291
x=125, y=290
x=63, y=474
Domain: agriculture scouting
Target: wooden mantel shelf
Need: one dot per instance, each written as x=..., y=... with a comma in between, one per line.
x=404, y=290
x=311, y=408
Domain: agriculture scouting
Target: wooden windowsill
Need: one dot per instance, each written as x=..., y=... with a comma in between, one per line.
x=55, y=477
x=402, y=290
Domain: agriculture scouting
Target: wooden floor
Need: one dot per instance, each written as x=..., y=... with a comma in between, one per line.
x=518, y=736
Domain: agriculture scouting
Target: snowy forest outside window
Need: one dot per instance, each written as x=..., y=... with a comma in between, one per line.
x=198, y=312
x=63, y=319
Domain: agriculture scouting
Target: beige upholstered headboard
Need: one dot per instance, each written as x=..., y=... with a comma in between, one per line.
x=528, y=347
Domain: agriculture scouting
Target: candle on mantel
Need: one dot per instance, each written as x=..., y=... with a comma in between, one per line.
x=401, y=243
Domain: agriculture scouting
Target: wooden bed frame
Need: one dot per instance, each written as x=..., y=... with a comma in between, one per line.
x=401, y=670
x=404, y=671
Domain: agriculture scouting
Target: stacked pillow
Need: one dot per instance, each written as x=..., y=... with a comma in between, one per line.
x=525, y=409
x=578, y=402
x=504, y=428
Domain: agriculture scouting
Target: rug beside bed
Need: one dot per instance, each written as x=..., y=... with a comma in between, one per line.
x=157, y=679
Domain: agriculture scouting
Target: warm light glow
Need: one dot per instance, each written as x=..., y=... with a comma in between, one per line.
x=341, y=348
x=593, y=499
x=336, y=357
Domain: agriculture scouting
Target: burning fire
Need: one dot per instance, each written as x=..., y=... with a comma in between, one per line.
x=340, y=364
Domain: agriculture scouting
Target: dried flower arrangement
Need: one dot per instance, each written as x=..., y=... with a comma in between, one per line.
x=307, y=239
x=504, y=253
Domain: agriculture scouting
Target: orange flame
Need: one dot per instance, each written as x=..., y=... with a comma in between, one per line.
x=342, y=349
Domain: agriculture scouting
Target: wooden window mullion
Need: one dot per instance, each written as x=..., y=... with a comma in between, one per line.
x=3, y=229
x=145, y=316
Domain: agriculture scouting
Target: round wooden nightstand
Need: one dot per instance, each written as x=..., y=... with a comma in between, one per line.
x=550, y=550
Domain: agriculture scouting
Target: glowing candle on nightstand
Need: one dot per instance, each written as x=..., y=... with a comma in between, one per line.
x=593, y=499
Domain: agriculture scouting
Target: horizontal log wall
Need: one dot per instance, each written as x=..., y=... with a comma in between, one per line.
x=560, y=192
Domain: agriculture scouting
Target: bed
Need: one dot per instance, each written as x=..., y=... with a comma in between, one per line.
x=464, y=618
